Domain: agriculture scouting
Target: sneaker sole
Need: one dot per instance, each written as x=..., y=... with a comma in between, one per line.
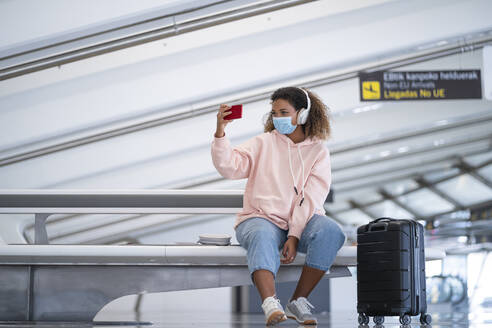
x=276, y=317
x=305, y=322
x=292, y=316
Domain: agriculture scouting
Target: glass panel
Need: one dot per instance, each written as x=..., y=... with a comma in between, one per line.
x=433, y=268
x=438, y=175
x=388, y=209
x=486, y=172
x=478, y=284
x=425, y=203
x=365, y=196
x=479, y=159
x=399, y=187
x=354, y=217
x=465, y=189
x=337, y=206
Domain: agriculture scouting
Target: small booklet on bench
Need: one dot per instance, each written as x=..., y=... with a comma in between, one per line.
x=208, y=239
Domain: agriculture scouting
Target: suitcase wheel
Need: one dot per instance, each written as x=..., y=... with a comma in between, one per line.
x=378, y=320
x=363, y=319
x=425, y=319
x=405, y=319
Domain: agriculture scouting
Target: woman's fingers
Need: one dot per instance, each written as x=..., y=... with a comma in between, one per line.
x=288, y=253
x=223, y=108
x=287, y=261
x=292, y=253
x=223, y=111
x=284, y=254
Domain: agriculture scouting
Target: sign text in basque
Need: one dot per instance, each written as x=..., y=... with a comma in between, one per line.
x=420, y=85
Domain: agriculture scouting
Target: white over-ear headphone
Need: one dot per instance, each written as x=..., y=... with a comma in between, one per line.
x=303, y=114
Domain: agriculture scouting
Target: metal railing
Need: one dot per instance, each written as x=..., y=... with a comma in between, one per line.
x=132, y=32
x=43, y=203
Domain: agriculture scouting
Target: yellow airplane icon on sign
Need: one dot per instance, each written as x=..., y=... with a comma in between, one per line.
x=371, y=90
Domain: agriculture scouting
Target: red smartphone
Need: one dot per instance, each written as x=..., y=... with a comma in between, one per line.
x=237, y=112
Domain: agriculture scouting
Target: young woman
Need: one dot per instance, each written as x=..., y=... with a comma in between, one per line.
x=289, y=177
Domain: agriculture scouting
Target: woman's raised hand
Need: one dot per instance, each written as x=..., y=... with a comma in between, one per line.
x=221, y=123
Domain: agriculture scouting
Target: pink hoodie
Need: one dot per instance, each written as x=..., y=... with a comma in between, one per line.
x=276, y=169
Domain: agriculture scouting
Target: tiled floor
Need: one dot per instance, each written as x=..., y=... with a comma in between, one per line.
x=219, y=320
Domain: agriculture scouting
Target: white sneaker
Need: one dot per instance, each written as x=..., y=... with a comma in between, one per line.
x=274, y=311
x=300, y=311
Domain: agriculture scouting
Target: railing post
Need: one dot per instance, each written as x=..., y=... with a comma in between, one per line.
x=40, y=233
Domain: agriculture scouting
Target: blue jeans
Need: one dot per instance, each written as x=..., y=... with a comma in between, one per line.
x=320, y=241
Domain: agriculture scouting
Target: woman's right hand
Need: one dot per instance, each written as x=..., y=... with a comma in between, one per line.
x=221, y=123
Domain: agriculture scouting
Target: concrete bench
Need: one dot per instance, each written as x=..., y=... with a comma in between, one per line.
x=74, y=282
x=43, y=282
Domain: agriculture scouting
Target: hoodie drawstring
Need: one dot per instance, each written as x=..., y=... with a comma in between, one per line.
x=302, y=162
x=292, y=173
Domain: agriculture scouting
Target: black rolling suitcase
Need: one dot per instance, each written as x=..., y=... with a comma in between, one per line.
x=391, y=271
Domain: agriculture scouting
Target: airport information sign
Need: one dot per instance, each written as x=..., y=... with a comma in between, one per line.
x=420, y=85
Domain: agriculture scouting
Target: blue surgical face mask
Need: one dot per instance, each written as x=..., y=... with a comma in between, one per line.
x=283, y=124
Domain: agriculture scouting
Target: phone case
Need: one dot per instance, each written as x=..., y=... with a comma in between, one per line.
x=237, y=112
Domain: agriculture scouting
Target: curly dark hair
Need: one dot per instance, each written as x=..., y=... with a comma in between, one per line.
x=318, y=122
